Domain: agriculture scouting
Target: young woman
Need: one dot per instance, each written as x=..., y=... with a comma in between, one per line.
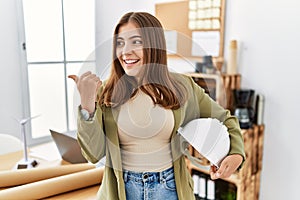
x=137, y=113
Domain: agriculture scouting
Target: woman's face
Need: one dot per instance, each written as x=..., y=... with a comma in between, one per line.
x=129, y=48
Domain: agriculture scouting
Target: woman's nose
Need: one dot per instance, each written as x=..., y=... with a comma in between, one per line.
x=127, y=49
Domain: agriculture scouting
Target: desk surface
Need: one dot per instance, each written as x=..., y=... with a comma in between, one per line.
x=47, y=155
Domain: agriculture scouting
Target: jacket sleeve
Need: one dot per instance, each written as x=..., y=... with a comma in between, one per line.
x=91, y=136
x=208, y=108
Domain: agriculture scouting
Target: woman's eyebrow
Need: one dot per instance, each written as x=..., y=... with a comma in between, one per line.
x=132, y=37
x=135, y=36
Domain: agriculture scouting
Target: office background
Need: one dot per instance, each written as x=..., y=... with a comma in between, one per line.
x=269, y=34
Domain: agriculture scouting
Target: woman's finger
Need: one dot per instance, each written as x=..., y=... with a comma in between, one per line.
x=86, y=74
x=74, y=77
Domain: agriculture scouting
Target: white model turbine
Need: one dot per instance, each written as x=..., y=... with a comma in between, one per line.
x=26, y=162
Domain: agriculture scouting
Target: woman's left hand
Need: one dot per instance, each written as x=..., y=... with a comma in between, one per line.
x=228, y=166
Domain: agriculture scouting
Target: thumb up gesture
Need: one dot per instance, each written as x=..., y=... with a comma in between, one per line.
x=87, y=85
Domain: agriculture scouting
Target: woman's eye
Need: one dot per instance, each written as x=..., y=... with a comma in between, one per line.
x=120, y=43
x=137, y=42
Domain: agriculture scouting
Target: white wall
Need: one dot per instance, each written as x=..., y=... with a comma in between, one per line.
x=269, y=33
x=10, y=80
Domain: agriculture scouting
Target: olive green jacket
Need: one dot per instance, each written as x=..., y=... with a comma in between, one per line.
x=99, y=138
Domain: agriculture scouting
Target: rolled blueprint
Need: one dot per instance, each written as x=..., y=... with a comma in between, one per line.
x=10, y=178
x=53, y=186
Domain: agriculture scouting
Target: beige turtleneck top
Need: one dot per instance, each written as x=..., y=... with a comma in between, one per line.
x=145, y=132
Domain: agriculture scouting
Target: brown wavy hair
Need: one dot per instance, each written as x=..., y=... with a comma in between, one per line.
x=156, y=80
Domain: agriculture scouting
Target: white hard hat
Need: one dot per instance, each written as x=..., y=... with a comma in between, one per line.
x=209, y=137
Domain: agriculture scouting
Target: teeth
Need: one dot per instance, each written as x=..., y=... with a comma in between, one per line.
x=130, y=61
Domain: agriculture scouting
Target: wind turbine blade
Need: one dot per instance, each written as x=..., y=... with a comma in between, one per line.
x=24, y=121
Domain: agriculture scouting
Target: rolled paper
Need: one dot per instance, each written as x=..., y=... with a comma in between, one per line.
x=10, y=178
x=54, y=186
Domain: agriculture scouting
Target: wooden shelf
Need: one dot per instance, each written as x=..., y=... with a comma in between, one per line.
x=247, y=179
x=218, y=61
x=224, y=84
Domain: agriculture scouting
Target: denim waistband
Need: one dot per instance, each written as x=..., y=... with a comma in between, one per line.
x=147, y=176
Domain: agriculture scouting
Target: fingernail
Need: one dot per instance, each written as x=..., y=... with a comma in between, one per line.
x=72, y=77
x=218, y=174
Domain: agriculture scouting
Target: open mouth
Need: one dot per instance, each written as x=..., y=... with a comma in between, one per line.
x=131, y=61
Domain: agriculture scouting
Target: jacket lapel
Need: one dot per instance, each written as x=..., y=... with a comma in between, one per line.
x=112, y=139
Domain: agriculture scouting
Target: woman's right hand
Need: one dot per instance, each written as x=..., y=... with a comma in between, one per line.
x=87, y=85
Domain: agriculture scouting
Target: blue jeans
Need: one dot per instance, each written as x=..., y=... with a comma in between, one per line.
x=150, y=185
